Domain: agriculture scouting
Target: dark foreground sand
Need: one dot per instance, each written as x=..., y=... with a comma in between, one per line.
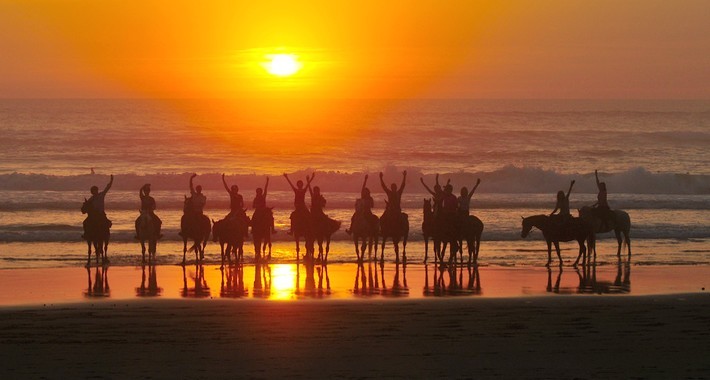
x=532, y=337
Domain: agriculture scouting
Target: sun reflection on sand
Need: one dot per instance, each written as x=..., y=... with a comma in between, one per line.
x=283, y=281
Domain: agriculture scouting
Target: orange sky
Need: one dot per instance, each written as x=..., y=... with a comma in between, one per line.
x=363, y=49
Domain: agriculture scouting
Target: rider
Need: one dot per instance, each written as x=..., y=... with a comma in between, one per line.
x=299, y=201
x=394, y=196
x=363, y=206
x=236, y=203
x=464, y=201
x=97, y=204
x=563, y=206
x=259, y=203
x=602, y=206
x=198, y=199
x=148, y=206
x=437, y=194
x=450, y=203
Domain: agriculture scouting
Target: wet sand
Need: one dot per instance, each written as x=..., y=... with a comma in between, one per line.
x=529, y=337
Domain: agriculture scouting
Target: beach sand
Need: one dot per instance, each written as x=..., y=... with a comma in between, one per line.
x=658, y=336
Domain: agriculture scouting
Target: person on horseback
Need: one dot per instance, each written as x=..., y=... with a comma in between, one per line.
x=464, y=201
x=97, y=211
x=236, y=203
x=562, y=205
x=197, y=199
x=602, y=208
x=363, y=207
x=301, y=212
x=148, y=207
x=259, y=204
x=437, y=194
x=394, y=196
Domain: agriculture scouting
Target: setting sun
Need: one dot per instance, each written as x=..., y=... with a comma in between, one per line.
x=282, y=65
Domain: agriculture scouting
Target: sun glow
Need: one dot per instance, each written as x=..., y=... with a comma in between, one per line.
x=282, y=65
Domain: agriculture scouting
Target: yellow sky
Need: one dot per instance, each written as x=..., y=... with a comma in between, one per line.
x=358, y=49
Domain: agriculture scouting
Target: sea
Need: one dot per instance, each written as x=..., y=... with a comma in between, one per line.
x=653, y=155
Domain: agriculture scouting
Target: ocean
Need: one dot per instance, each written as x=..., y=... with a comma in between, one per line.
x=652, y=154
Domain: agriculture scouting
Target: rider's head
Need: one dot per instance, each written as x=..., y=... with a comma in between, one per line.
x=146, y=189
x=393, y=187
x=437, y=188
x=198, y=189
x=365, y=193
x=560, y=195
x=259, y=191
x=94, y=190
x=316, y=190
x=448, y=189
x=464, y=191
x=602, y=186
x=235, y=188
x=299, y=184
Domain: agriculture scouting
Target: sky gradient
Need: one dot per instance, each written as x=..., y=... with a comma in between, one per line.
x=371, y=49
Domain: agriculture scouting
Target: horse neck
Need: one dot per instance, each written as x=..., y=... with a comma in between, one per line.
x=539, y=221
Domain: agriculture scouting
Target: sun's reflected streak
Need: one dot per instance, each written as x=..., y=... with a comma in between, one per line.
x=283, y=281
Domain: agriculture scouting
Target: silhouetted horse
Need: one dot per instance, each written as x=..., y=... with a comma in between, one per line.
x=96, y=232
x=396, y=227
x=196, y=227
x=621, y=224
x=230, y=232
x=323, y=228
x=365, y=231
x=470, y=231
x=447, y=230
x=429, y=230
x=261, y=223
x=301, y=228
x=554, y=232
x=147, y=231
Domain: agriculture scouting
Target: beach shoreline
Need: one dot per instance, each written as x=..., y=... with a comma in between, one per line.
x=658, y=336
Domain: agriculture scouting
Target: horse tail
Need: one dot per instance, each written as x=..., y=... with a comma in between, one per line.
x=193, y=248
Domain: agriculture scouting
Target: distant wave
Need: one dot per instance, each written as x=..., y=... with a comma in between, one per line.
x=508, y=179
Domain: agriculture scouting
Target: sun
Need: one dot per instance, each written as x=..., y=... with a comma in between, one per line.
x=282, y=65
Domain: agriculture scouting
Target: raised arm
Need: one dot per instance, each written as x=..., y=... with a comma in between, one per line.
x=224, y=182
x=596, y=175
x=192, y=188
x=427, y=187
x=110, y=182
x=289, y=182
x=437, y=181
x=404, y=182
x=570, y=189
x=364, y=183
x=470, y=194
x=382, y=183
x=308, y=180
x=308, y=185
x=140, y=192
x=266, y=187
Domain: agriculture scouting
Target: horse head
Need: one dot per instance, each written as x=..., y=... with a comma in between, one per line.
x=85, y=207
x=527, y=226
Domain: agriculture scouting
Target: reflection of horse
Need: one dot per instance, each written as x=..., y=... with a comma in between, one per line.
x=323, y=228
x=301, y=228
x=394, y=225
x=365, y=230
x=100, y=287
x=201, y=289
x=457, y=284
x=621, y=224
x=230, y=232
x=576, y=229
x=152, y=290
x=233, y=282
x=147, y=231
x=471, y=230
x=261, y=223
x=196, y=227
x=96, y=232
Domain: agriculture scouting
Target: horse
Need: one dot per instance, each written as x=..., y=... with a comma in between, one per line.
x=96, y=232
x=196, y=227
x=621, y=224
x=261, y=222
x=429, y=229
x=396, y=227
x=365, y=230
x=147, y=231
x=577, y=229
x=323, y=229
x=447, y=229
x=301, y=228
x=230, y=232
x=471, y=231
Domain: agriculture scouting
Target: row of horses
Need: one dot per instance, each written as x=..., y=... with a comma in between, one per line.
x=368, y=231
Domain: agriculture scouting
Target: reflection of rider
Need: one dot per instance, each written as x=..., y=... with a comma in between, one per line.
x=236, y=203
x=602, y=206
x=394, y=196
x=299, y=201
x=437, y=194
x=563, y=206
x=363, y=206
x=148, y=207
x=97, y=210
x=198, y=199
x=259, y=204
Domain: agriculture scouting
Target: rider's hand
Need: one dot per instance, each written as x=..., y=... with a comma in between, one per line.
x=404, y=172
x=478, y=180
x=381, y=175
x=194, y=175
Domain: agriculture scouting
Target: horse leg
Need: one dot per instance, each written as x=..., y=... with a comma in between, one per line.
x=549, y=253
x=327, y=248
x=88, y=260
x=404, y=248
x=582, y=251
x=396, y=249
x=618, y=240
x=298, y=249
x=627, y=239
x=184, y=249
x=143, y=249
x=382, y=249
x=426, y=248
x=557, y=249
